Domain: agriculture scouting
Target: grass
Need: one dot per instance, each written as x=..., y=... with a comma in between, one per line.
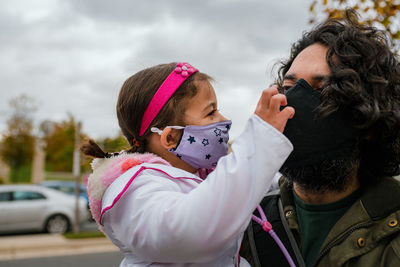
x=20, y=175
x=82, y=235
x=64, y=176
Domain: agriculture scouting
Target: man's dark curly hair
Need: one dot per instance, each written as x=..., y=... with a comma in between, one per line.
x=365, y=79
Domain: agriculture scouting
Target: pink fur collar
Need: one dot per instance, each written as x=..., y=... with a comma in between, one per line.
x=106, y=170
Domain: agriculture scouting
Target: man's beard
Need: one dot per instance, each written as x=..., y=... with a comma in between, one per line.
x=330, y=175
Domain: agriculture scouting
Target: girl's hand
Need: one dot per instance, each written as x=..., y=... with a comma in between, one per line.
x=268, y=108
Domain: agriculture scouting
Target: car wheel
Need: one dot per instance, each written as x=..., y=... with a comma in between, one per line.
x=57, y=224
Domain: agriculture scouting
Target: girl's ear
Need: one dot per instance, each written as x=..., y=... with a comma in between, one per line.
x=170, y=137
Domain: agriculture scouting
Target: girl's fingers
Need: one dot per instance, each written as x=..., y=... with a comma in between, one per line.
x=269, y=105
x=277, y=101
x=266, y=96
x=282, y=118
x=286, y=113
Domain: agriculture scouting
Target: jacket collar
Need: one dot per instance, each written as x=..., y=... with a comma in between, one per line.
x=381, y=199
x=288, y=205
x=378, y=200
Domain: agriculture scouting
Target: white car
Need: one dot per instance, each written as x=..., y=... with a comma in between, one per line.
x=37, y=208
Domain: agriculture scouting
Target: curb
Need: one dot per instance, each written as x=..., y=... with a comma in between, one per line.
x=47, y=245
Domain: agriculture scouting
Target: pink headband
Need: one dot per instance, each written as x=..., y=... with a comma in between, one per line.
x=164, y=93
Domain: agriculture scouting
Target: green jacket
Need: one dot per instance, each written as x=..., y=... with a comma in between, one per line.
x=368, y=234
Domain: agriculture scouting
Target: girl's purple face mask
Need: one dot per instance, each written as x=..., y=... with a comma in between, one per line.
x=202, y=146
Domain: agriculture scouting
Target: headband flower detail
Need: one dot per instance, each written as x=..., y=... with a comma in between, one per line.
x=185, y=69
x=164, y=92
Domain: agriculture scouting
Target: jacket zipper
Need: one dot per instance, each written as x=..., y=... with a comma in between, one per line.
x=340, y=240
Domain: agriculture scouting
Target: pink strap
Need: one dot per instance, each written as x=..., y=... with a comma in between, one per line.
x=267, y=227
x=164, y=93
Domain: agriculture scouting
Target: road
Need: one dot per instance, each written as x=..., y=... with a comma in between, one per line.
x=107, y=259
x=20, y=249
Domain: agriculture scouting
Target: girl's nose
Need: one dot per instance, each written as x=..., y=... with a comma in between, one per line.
x=222, y=118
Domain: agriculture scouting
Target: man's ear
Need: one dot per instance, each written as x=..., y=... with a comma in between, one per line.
x=170, y=137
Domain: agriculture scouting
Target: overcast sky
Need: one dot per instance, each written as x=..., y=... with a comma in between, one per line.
x=72, y=56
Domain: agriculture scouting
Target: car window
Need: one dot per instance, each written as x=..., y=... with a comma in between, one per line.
x=68, y=189
x=5, y=196
x=65, y=189
x=27, y=195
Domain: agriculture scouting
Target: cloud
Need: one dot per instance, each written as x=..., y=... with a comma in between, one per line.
x=73, y=56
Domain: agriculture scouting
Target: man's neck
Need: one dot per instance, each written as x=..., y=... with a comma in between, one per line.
x=325, y=197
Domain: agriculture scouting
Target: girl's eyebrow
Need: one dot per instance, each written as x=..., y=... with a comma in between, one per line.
x=212, y=105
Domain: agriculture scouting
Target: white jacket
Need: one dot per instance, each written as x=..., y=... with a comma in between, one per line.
x=159, y=215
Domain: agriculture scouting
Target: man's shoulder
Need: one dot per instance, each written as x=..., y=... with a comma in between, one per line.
x=382, y=198
x=273, y=193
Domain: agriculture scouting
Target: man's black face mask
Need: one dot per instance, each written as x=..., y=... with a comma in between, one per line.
x=315, y=139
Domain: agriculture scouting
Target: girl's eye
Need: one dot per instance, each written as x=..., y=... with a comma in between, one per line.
x=212, y=112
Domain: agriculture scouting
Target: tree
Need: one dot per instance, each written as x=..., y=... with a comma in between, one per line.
x=17, y=146
x=108, y=144
x=114, y=144
x=60, y=143
x=383, y=14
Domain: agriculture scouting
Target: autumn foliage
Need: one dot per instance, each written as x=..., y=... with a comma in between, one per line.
x=383, y=14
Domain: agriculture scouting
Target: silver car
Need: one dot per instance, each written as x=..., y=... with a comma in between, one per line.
x=37, y=208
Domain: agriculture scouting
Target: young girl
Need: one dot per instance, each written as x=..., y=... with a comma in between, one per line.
x=153, y=201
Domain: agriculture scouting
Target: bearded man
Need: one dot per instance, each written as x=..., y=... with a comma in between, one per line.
x=338, y=204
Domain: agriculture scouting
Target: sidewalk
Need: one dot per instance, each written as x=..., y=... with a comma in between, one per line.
x=45, y=245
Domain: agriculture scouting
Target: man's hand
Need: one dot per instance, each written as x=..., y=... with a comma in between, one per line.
x=268, y=108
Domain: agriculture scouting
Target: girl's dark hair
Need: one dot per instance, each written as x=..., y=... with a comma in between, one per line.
x=134, y=97
x=365, y=79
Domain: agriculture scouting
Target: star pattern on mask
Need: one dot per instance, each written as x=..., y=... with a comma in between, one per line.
x=228, y=126
x=205, y=142
x=208, y=156
x=191, y=139
x=221, y=140
x=217, y=132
